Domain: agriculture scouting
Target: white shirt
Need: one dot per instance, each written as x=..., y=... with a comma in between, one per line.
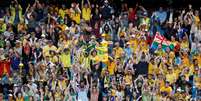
x=82, y=95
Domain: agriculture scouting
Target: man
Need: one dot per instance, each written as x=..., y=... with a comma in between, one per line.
x=4, y=65
x=75, y=12
x=86, y=11
x=62, y=12
x=47, y=48
x=15, y=60
x=144, y=20
x=106, y=10
x=118, y=51
x=92, y=44
x=65, y=59
x=129, y=72
x=166, y=90
x=171, y=76
x=102, y=49
x=16, y=13
x=161, y=15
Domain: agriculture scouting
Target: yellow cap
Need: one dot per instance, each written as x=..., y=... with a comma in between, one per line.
x=21, y=64
x=103, y=35
x=128, y=43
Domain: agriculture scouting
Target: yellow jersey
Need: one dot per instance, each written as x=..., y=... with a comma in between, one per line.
x=86, y=14
x=65, y=59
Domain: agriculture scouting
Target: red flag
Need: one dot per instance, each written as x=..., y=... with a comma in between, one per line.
x=159, y=38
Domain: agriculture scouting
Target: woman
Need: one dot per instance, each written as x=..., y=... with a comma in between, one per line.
x=83, y=90
x=94, y=57
x=94, y=90
x=21, y=28
x=16, y=13
x=26, y=54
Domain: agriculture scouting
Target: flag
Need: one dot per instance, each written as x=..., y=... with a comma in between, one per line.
x=4, y=67
x=161, y=40
x=158, y=40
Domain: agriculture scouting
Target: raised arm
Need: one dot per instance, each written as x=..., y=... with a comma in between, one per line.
x=15, y=92
x=77, y=8
x=91, y=84
x=186, y=36
x=135, y=84
x=41, y=94
x=102, y=28
x=87, y=81
x=110, y=27
x=182, y=15
x=82, y=5
x=89, y=3
x=98, y=84
x=16, y=2
x=27, y=8
x=142, y=8
x=22, y=90
x=66, y=92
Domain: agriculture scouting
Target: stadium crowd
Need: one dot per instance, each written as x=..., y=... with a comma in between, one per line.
x=96, y=52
